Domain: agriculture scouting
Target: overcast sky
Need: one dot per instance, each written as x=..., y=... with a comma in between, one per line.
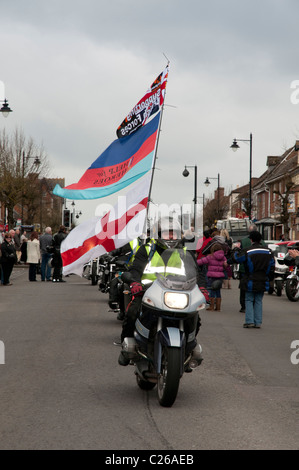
x=73, y=69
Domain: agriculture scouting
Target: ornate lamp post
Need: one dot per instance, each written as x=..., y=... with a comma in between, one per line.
x=186, y=173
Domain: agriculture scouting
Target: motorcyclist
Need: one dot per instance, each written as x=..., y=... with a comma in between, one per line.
x=167, y=233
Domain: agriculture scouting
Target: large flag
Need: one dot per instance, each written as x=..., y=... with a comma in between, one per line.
x=147, y=107
x=100, y=235
x=122, y=163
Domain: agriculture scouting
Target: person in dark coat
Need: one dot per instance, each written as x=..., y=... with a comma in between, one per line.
x=259, y=265
x=57, y=260
x=8, y=258
x=24, y=250
x=245, y=243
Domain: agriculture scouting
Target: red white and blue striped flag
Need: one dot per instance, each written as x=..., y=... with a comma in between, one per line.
x=122, y=163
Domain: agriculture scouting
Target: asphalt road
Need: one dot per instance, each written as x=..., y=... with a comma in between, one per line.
x=62, y=388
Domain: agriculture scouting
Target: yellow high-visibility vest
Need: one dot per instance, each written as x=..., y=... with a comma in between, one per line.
x=135, y=245
x=156, y=264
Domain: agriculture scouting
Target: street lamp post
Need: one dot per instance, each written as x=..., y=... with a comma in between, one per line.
x=37, y=162
x=5, y=110
x=235, y=147
x=186, y=173
x=207, y=182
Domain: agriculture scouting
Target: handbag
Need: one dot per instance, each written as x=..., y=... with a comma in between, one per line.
x=217, y=284
x=38, y=268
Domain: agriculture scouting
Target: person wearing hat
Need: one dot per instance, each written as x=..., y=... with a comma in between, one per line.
x=259, y=264
x=246, y=243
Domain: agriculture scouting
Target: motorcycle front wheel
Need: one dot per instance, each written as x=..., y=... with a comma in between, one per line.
x=279, y=285
x=292, y=290
x=94, y=274
x=169, y=379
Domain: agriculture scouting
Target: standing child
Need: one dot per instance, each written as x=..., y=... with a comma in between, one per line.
x=216, y=262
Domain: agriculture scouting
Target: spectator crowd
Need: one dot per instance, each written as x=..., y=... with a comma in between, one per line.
x=40, y=252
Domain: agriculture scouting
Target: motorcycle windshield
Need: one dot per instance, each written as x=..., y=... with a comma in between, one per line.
x=177, y=270
x=279, y=251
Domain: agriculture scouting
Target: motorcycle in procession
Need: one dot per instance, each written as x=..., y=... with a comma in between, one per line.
x=291, y=281
x=292, y=275
x=117, y=290
x=281, y=270
x=109, y=280
x=91, y=271
x=164, y=344
x=292, y=284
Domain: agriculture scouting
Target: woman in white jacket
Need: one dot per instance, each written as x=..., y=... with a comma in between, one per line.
x=33, y=255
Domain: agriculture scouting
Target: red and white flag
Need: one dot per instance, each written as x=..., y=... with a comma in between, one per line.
x=100, y=235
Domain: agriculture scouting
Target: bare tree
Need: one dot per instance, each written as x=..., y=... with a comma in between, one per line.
x=284, y=201
x=212, y=213
x=243, y=197
x=19, y=174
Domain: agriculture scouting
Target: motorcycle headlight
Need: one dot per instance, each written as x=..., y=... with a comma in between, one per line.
x=176, y=300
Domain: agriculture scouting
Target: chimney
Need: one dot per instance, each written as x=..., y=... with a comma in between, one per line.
x=272, y=161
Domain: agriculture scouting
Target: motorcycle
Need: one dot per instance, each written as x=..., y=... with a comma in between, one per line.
x=292, y=284
x=281, y=270
x=91, y=271
x=164, y=344
x=104, y=273
x=110, y=282
x=291, y=277
x=118, y=291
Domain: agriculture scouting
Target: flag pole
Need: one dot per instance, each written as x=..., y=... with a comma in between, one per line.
x=156, y=150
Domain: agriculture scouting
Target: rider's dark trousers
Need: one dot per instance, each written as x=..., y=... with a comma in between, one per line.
x=131, y=315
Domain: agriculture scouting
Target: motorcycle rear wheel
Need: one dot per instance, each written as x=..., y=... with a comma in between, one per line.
x=169, y=379
x=292, y=290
